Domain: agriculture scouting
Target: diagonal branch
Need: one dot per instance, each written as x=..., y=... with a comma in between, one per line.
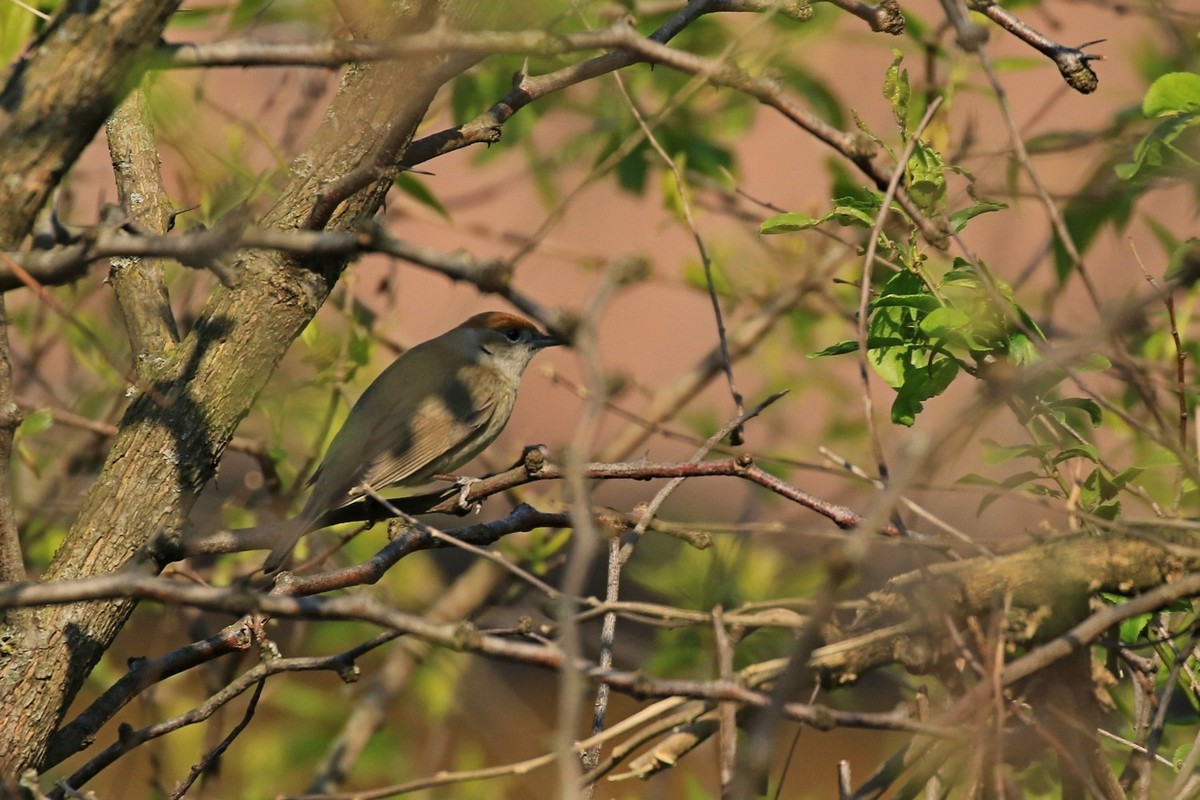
x=58, y=96
x=1072, y=62
x=12, y=562
x=138, y=283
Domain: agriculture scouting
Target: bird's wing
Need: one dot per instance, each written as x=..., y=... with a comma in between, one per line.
x=407, y=436
x=429, y=443
x=371, y=428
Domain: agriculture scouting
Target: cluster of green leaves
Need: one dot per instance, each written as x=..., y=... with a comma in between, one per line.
x=923, y=330
x=1097, y=494
x=922, y=334
x=1171, y=145
x=1169, y=152
x=928, y=324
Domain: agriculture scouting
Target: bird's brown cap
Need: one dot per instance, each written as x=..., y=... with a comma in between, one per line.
x=498, y=320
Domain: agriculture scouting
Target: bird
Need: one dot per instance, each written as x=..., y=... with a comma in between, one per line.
x=437, y=406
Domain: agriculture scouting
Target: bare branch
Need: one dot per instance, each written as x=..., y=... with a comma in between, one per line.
x=339, y=52
x=342, y=663
x=138, y=283
x=12, y=562
x=883, y=18
x=143, y=673
x=525, y=517
x=82, y=70
x=1072, y=62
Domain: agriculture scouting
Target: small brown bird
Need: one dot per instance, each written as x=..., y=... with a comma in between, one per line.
x=434, y=409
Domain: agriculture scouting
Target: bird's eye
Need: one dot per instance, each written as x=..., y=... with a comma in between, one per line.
x=512, y=334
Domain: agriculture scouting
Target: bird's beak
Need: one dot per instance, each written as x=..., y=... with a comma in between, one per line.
x=547, y=340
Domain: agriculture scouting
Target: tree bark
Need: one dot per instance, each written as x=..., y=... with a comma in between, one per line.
x=1042, y=590
x=176, y=427
x=57, y=97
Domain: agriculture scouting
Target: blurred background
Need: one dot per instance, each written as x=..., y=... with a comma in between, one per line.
x=553, y=190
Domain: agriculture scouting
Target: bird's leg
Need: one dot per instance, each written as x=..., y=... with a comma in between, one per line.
x=465, y=484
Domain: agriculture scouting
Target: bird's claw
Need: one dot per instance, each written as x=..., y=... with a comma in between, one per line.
x=466, y=505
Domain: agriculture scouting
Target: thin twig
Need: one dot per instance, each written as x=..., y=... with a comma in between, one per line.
x=212, y=755
x=584, y=543
x=1022, y=155
x=454, y=541
x=341, y=663
x=1072, y=62
x=726, y=711
x=735, y=437
x=1181, y=394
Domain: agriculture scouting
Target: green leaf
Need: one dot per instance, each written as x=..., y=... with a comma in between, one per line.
x=359, y=348
x=944, y=322
x=310, y=334
x=896, y=91
x=1085, y=451
x=846, y=187
x=632, y=169
x=1097, y=488
x=1011, y=482
x=689, y=147
x=1007, y=485
x=672, y=192
x=853, y=212
x=904, y=283
x=788, y=222
x=838, y=349
x=847, y=211
x=16, y=28
x=36, y=422
x=1157, y=152
x=417, y=190
x=1184, y=264
x=925, y=302
x=1021, y=349
x=959, y=219
x=1159, y=457
x=1126, y=476
x=694, y=275
x=851, y=346
x=921, y=385
x=1094, y=362
x=926, y=176
x=1174, y=98
x=1098, y=202
x=1173, y=93
x=1088, y=406
x=1131, y=628
x=995, y=454
x=821, y=99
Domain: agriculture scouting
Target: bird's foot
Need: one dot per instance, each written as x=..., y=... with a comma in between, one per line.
x=463, y=502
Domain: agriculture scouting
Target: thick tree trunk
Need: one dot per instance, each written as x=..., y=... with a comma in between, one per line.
x=174, y=431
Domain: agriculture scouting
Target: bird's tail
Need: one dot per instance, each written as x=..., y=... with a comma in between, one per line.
x=287, y=532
